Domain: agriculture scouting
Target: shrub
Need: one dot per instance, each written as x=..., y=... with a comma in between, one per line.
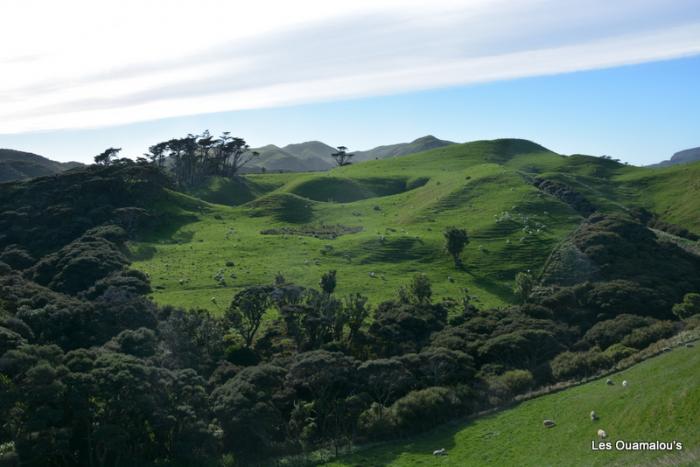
x=423, y=409
x=569, y=365
x=642, y=337
x=618, y=352
x=609, y=332
x=688, y=307
x=510, y=384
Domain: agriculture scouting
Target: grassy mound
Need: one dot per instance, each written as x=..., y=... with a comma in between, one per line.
x=347, y=190
x=661, y=403
x=283, y=207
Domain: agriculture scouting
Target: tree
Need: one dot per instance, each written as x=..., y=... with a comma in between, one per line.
x=342, y=157
x=328, y=282
x=420, y=289
x=157, y=153
x=455, y=241
x=688, y=307
x=524, y=283
x=105, y=157
x=247, y=310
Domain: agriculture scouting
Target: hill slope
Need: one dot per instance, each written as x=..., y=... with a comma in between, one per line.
x=662, y=403
x=20, y=165
x=390, y=214
x=681, y=157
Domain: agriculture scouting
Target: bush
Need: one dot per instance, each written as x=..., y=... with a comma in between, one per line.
x=570, y=365
x=510, y=384
x=688, y=307
x=609, y=332
x=642, y=337
x=618, y=352
x=423, y=409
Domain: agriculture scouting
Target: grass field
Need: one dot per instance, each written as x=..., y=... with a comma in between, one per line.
x=401, y=207
x=661, y=403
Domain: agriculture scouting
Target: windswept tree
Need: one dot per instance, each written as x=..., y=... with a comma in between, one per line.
x=197, y=156
x=106, y=157
x=157, y=154
x=342, y=157
x=455, y=241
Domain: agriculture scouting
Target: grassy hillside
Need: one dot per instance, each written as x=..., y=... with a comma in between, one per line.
x=397, y=210
x=661, y=403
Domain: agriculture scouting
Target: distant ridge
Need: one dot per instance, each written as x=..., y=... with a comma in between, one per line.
x=314, y=156
x=681, y=157
x=20, y=165
x=424, y=143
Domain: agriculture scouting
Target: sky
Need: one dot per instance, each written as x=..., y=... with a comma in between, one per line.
x=595, y=77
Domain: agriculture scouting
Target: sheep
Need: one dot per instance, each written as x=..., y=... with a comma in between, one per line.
x=602, y=434
x=440, y=452
x=594, y=416
x=548, y=423
x=609, y=382
x=624, y=384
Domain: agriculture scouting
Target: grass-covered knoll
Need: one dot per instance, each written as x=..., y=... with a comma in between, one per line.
x=662, y=402
x=402, y=205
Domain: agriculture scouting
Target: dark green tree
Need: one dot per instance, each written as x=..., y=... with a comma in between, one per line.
x=524, y=283
x=328, y=282
x=247, y=309
x=455, y=241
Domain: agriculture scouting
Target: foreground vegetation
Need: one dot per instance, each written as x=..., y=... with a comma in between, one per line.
x=369, y=337
x=660, y=403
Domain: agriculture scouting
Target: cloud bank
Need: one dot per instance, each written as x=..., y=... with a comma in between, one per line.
x=80, y=64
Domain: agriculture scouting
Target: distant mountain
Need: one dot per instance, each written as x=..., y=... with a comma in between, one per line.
x=20, y=165
x=681, y=157
x=311, y=156
x=401, y=149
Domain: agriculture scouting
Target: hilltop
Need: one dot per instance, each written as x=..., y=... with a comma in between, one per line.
x=424, y=143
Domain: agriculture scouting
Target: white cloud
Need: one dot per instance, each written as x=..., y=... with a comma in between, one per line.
x=76, y=64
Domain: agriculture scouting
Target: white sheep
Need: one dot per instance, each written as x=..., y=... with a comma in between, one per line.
x=602, y=434
x=609, y=382
x=440, y=452
x=624, y=384
x=594, y=416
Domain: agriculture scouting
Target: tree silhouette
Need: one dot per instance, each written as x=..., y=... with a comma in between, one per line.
x=342, y=157
x=455, y=241
x=105, y=157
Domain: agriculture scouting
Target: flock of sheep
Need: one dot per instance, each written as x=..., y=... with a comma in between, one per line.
x=602, y=434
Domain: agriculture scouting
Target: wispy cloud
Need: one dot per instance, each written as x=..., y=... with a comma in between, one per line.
x=126, y=62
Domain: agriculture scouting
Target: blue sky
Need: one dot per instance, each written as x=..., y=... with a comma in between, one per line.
x=595, y=77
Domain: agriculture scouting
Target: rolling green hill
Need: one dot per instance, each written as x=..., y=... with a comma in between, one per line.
x=660, y=404
x=389, y=216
